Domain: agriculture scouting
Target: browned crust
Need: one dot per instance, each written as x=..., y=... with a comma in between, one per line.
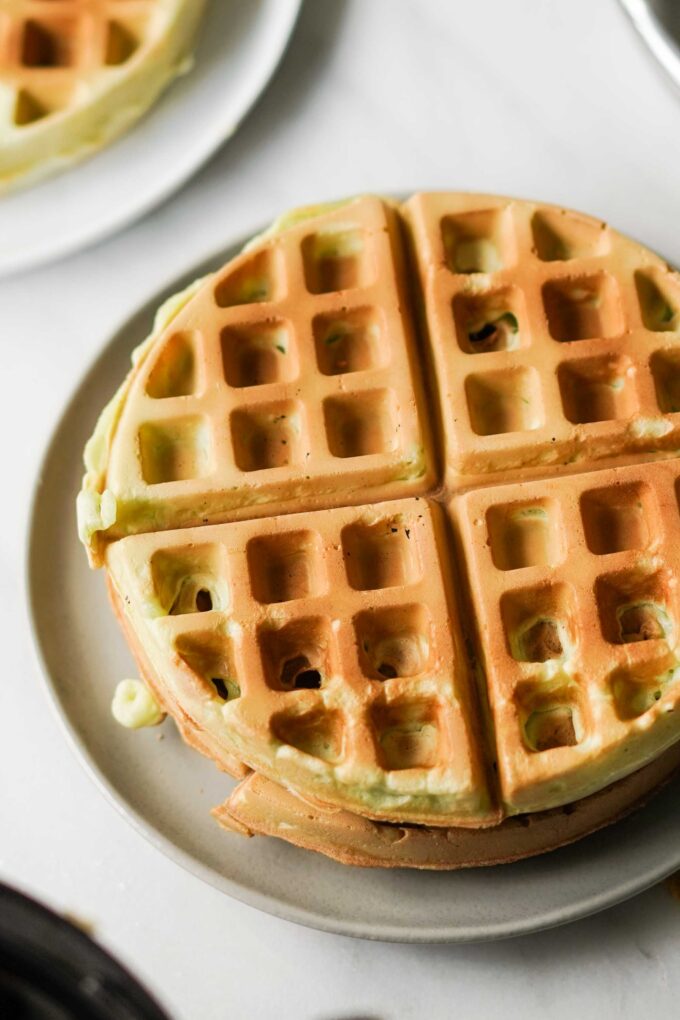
x=260, y=806
x=189, y=730
x=203, y=740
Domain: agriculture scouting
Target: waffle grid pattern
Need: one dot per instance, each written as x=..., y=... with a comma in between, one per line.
x=51, y=49
x=548, y=332
x=343, y=647
x=575, y=660
x=286, y=396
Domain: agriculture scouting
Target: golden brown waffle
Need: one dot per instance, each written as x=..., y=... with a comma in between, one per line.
x=319, y=650
x=288, y=382
x=574, y=584
x=76, y=73
x=260, y=807
x=550, y=335
x=296, y=379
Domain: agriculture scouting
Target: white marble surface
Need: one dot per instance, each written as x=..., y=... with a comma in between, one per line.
x=551, y=100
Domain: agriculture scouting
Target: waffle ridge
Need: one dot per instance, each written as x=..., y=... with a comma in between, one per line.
x=582, y=354
x=75, y=73
x=588, y=658
x=541, y=532
x=304, y=386
x=324, y=651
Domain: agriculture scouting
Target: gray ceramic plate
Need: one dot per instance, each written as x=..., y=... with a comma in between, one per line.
x=166, y=790
x=658, y=22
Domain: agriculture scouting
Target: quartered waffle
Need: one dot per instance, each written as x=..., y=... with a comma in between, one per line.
x=319, y=651
x=574, y=584
x=289, y=381
x=388, y=508
x=550, y=336
x=74, y=74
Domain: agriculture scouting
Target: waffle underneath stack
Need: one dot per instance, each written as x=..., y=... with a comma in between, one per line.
x=389, y=509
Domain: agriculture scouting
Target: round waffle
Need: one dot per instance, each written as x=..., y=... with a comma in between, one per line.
x=76, y=74
x=388, y=507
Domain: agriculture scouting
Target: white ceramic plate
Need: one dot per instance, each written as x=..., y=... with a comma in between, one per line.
x=241, y=43
x=166, y=790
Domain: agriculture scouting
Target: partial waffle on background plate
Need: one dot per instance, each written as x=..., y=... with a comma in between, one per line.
x=76, y=74
x=389, y=511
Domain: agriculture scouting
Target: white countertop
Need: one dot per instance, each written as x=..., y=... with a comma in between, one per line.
x=548, y=100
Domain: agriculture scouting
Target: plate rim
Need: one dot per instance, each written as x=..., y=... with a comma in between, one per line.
x=25, y=262
x=483, y=931
x=660, y=44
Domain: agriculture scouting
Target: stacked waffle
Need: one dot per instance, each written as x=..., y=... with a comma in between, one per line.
x=74, y=74
x=389, y=512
